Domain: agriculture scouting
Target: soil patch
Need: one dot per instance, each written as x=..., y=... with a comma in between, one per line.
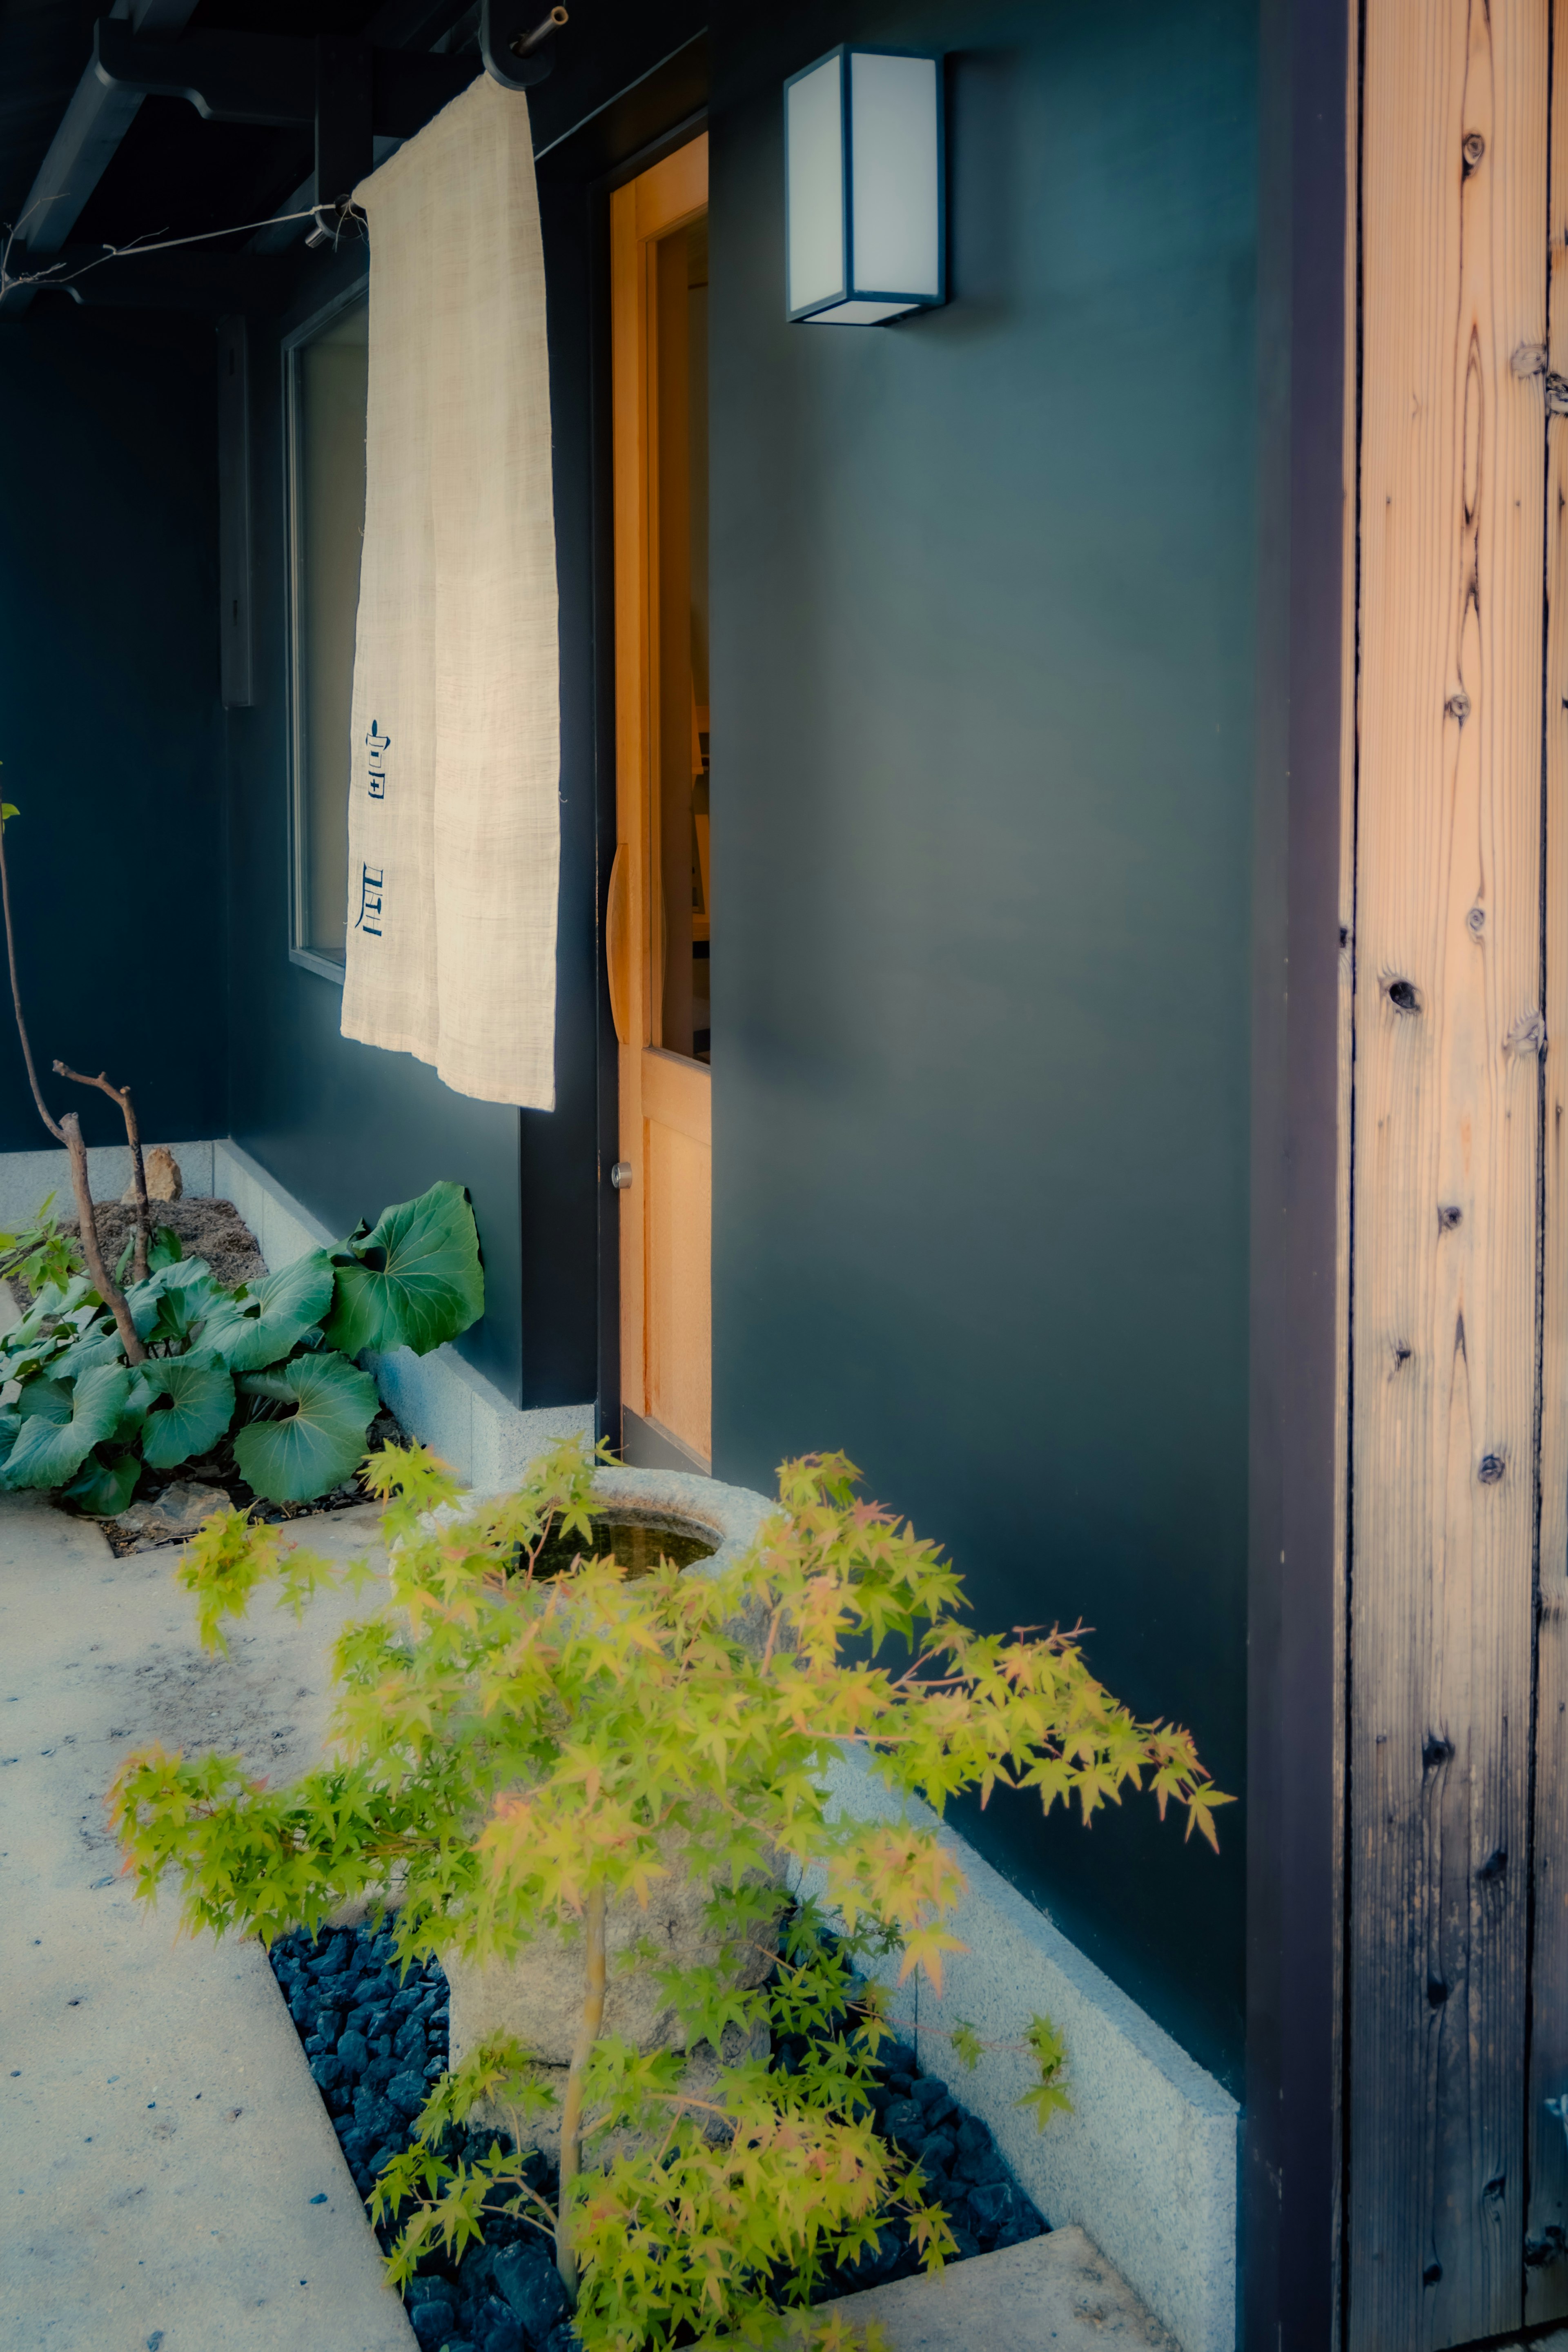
x=211, y=1229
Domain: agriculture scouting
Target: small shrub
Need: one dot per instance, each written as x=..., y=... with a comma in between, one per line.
x=270, y=1361
x=521, y=1750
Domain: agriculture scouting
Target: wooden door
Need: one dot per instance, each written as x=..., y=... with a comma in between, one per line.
x=1456, y=2032
x=658, y=930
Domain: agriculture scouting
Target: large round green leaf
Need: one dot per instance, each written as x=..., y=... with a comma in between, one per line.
x=190, y=1403
x=259, y=1324
x=45, y=1395
x=99, y=1344
x=103, y=1488
x=321, y=1441
x=176, y=1303
x=47, y=1452
x=412, y=1280
x=52, y=1302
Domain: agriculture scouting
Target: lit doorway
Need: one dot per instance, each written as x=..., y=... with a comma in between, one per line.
x=659, y=930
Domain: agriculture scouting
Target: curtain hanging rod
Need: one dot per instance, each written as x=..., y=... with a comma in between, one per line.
x=516, y=43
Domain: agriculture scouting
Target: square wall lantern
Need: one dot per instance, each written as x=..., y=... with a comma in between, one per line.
x=865, y=202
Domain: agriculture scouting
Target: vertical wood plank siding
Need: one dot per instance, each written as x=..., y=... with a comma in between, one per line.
x=1447, y=1165
x=1546, y=2237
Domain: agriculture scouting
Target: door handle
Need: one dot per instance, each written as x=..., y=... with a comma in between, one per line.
x=618, y=946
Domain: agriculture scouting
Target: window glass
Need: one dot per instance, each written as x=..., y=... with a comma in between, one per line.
x=328, y=380
x=682, y=890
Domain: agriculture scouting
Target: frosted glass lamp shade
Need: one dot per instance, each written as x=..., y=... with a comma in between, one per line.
x=864, y=208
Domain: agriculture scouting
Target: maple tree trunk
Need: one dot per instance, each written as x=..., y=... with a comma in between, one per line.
x=588, y=2027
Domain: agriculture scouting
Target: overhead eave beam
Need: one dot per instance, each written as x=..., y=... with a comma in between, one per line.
x=92, y=127
x=277, y=79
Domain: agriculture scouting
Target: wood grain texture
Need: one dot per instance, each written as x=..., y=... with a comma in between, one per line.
x=1546, y=2228
x=677, y=1093
x=679, y=1250
x=618, y=946
x=1446, y=1167
x=628, y=296
x=665, y=1212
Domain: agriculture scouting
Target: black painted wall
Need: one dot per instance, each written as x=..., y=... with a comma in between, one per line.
x=983, y=593
x=109, y=718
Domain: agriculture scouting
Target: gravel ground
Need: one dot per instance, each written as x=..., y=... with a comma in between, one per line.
x=377, y=2040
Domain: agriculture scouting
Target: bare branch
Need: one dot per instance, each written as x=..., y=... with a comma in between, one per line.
x=107, y=1288
x=121, y=1095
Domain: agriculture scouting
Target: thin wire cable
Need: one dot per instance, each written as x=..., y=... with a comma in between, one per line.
x=57, y=276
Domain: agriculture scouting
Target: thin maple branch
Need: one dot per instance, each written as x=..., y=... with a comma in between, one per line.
x=525, y=2186
x=121, y=1095
x=593, y=2018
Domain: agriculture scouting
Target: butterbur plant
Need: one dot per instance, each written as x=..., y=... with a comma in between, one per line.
x=268, y=1364
x=518, y=1753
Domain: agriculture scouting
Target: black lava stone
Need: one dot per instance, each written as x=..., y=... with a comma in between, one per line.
x=906, y=2123
x=529, y=2281
x=432, y=2322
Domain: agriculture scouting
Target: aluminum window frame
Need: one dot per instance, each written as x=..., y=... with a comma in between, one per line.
x=298, y=785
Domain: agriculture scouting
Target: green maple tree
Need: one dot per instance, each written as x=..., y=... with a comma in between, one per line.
x=519, y=1751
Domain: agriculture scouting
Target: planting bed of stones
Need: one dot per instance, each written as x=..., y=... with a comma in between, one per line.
x=377, y=2040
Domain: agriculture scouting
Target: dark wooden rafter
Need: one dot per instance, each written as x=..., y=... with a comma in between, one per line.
x=273, y=77
x=358, y=95
x=92, y=127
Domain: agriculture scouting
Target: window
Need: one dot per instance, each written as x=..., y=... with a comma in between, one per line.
x=327, y=372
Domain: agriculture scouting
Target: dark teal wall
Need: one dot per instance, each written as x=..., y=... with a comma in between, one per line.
x=109, y=718
x=982, y=591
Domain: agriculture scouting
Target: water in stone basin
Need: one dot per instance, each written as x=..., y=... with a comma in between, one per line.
x=377, y=2040
x=638, y=1544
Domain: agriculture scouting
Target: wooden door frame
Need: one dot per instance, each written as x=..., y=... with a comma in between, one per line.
x=1287, y=2299
x=657, y=201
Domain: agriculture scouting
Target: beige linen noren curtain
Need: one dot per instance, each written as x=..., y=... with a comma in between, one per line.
x=454, y=811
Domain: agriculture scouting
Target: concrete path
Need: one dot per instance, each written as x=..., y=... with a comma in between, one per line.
x=1055, y=2294
x=168, y=2175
